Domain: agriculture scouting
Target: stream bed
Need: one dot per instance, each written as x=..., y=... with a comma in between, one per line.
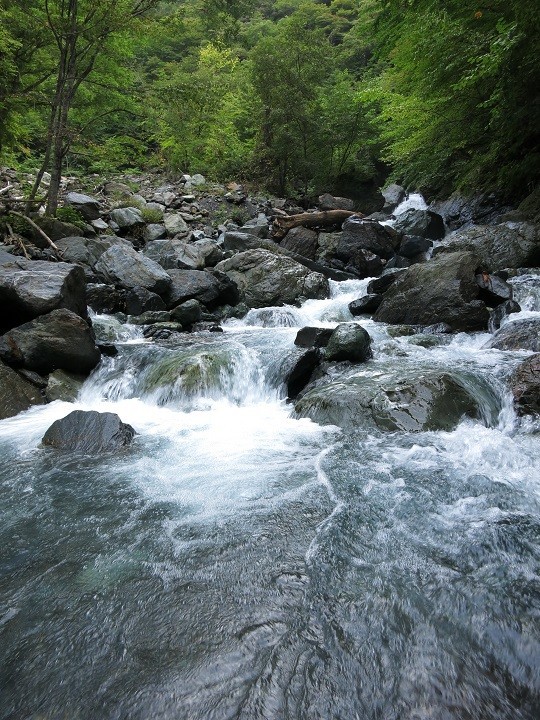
x=238, y=562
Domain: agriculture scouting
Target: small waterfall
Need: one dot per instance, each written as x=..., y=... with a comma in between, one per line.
x=526, y=291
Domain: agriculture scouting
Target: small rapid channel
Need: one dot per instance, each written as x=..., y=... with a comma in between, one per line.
x=240, y=563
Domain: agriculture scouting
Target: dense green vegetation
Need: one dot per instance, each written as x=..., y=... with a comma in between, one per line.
x=296, y=95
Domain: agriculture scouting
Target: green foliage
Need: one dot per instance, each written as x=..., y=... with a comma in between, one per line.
x=151, y=216
x=70, y=215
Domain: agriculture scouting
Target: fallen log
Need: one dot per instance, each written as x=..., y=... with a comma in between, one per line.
x=324, y=218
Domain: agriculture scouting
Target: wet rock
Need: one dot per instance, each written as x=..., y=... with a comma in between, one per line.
x=29, y=288
x=301, y=373
x=500, y=313
x=58, y=340
x=210, y=287
x=127, y=219
x=187, y=313
x=63, y=386
x=393, y=195
x=517, y=335
x=398, y=262
x=87, y=206
x=381, y=284
x=265, y=279
x=124, y=266
x=510, y=245
x=365, y=305
x=89, y=432
x=435, y=401
x=459, y=211
x=104, y=298
x=525, y=385
x=442, y=290
x=413, y=245
x=422, y=223
x=494, y=291
x=150, y=317
x=302, y=241
x=140, y=300
x=162, y=330
x=308, y=337
x=364, y=234
x=16, y=393
x=350, y=342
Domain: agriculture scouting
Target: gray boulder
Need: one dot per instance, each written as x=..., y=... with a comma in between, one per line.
x=330, y=202
x=89, y=432
x=187, y=313
x=16, y=393
x=302, y=371
x=413, y=245
x=103, y=298
x=55, y=229
x=422, y=223
x=265, y=279
x=87, y=206
x=59, y=339
x=209, y=287
x=175, y=224
x=393, y=195
x=124, y=266
x=139, y=300
x=302, y=241
x=442, y=290
x=359, y=233
x=517, y=335
x=365, y=305
x=257, y=226
x=525, y=385
x=510, y=245
x=29, y=288
x=83, y=250
x=308, y=337
x=349, y=341
x=154, y=231
x=434, y=401
x=128, y=219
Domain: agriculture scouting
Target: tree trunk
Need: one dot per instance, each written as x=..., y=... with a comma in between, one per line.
x=326, y=218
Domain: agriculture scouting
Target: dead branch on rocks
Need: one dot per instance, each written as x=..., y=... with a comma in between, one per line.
x=324, y=218
x=37, y=229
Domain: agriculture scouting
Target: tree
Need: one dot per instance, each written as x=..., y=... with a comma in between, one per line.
x=81, y=31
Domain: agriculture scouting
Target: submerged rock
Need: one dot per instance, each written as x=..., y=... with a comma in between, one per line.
x=16, y=393
x=64, y=386
x=89, y=432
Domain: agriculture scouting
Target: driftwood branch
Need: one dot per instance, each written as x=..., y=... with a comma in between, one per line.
x=5, y=189
x=324, y=218
x=17, y=240
x=37, y=229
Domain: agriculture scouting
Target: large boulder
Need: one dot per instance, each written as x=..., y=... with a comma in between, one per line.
x=366, y=304
x=459, y=211
x=124, y=266
x=55, y=229
x=59, y=339
x=29, y=288
x=330, y=202
x=140, y=300
x=359, y=233
x=421, y=223
x=16, y=393
x=265, y=279
x=510, y=245
x=89, y=432
x=393, y=195
x=209, y=287
x=302, y=241
x=103, y=298
x=525, y=384
x=349, y=341
x=302, y=371
x=64, y=386
x=359, y=262
x=87, y=206
x=83, y=250
x=433, y=401
x=443, y=290
x=517, y=335
x=175, y=224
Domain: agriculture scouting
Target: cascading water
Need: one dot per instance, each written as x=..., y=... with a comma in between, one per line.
x=238, y=562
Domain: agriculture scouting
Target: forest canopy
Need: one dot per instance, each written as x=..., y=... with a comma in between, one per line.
x=296, y=96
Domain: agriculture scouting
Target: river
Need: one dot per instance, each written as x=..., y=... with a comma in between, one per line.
x=239, y=563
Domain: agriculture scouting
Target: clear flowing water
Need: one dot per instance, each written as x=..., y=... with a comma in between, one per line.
x=238, y=563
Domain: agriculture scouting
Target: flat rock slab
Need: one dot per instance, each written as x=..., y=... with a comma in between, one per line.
x=89, y=432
